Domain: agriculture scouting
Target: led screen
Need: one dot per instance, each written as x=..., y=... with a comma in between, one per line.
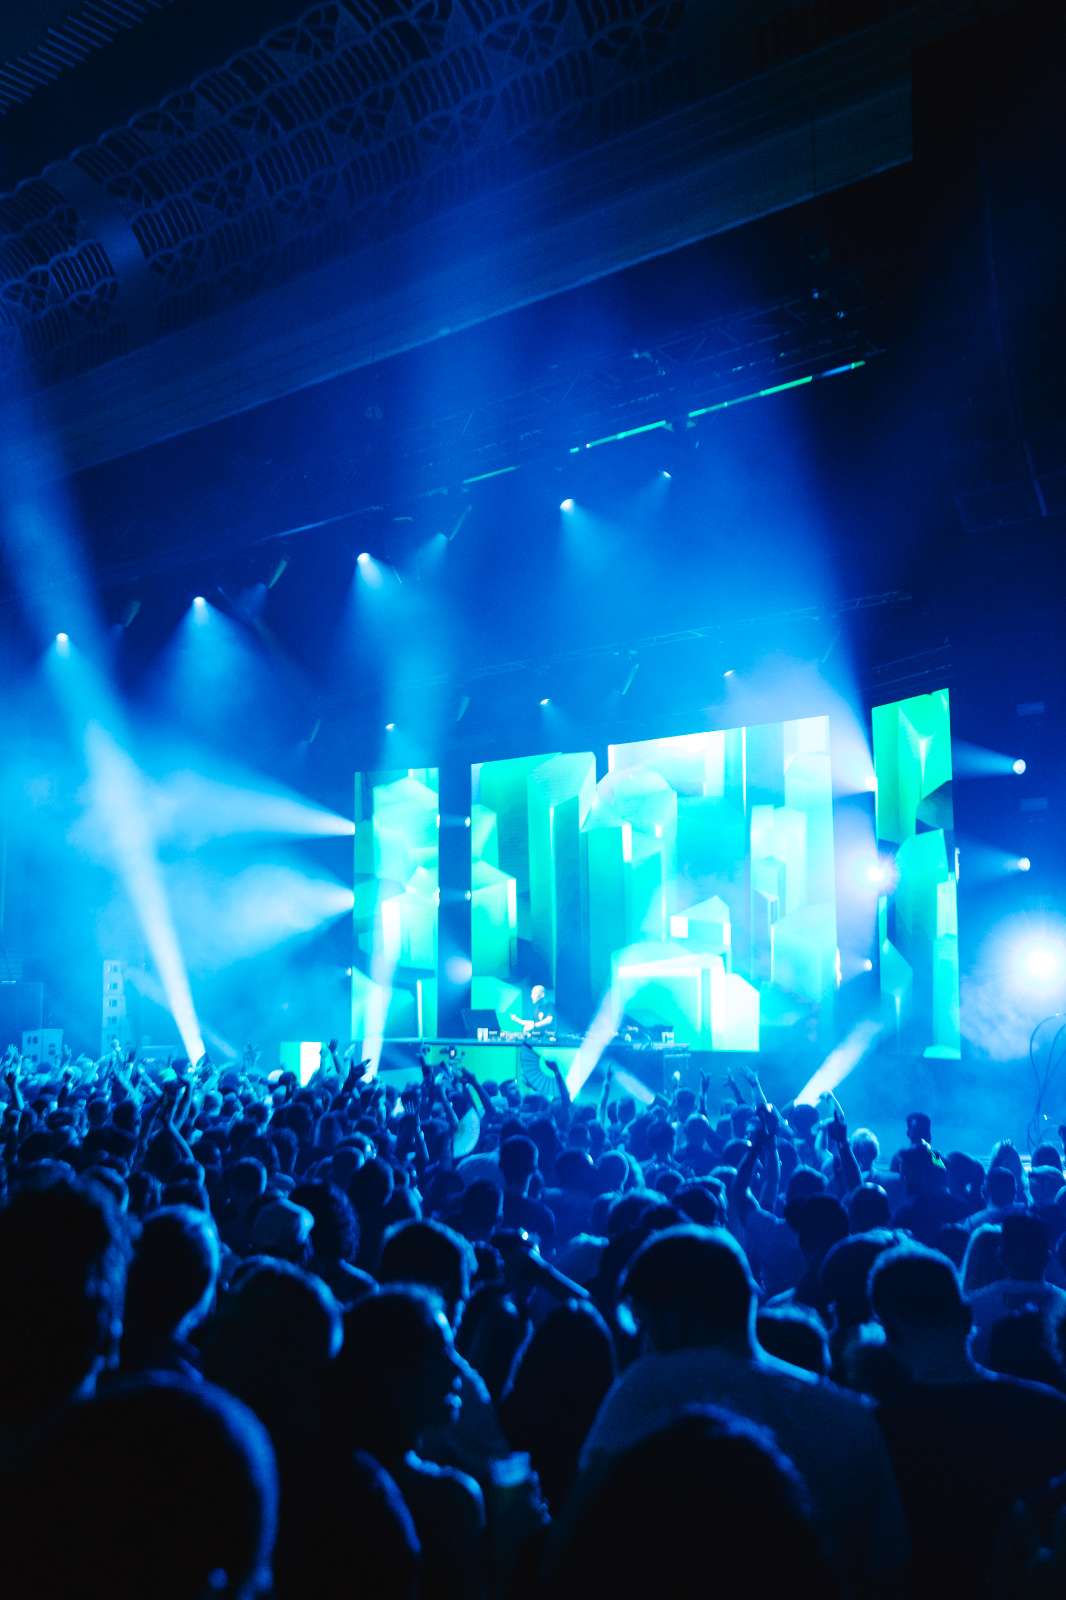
x=397, y=901
x=692, y=886
x=917, y=915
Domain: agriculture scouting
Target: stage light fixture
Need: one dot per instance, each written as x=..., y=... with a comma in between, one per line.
x=566, y=505
x=867, y=965
x=730, y=672
x=62, y=639
x=545, y=701
x=1018, y=767
x=363, y=557
x=199, y=602
x=666, y=475
x=1023, y=863
x=390, y=727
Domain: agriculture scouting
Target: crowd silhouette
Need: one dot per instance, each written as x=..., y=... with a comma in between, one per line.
x=265, y=1338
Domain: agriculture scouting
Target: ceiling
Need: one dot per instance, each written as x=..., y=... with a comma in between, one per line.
x=210, y=206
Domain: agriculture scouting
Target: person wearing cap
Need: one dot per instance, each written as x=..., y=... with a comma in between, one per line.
x=691, y=1296
x=284, y=1230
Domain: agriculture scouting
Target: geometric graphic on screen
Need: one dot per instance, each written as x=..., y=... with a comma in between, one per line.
x=918, y=919
x=713, y=854
x=397, y=904
x=528, y=886
x=694, y=883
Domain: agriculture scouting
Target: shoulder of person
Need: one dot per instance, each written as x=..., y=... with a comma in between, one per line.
x=458, y=1492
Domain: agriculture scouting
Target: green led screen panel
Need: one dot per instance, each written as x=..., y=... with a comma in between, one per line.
x=528, y=885
x=917, y=916
x=693, y=884
x=397, y=904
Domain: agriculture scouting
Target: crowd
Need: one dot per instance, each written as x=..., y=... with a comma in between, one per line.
x=336, y=1340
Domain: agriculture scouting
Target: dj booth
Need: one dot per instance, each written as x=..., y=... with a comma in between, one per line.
x=523, y=1060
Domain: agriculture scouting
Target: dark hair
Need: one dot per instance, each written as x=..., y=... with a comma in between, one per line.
x=868, y=1208
x=911, y=1287
x=794, y=1335
x=335, y=1235
x=518, y=1159
x=63, y=1254
x=431, y=1255
x=119, y=1465
x=1001, y=1185
x=173, y=1271
x=700, y=1477
x=698, y=1279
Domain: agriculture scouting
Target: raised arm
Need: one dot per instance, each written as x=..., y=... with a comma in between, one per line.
x=561, y=1090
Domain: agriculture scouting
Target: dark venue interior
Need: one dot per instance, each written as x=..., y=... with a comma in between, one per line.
x=532, y=860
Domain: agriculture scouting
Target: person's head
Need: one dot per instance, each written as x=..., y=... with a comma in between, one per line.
x=1047, y=1155
x=612, y=1172
x=479, y=1208
x=370, y=1189
x=334, y=1232
x=1005, y=1154
x=536, y=994
x=1001, y=1187
x=803, y=1184
x=982, y=1264
x=697, y=1131
x=245, y=1183
x=690, y=1287
x=126, y=1117
x=868, y=1208
x=845, y=1274
x=566, y=1367
x=794, y=1335
x=820, y=1223
x=659, y=1139
x=518, y=1162
x=271, y=1342
x=166, y=1488
x=63, y=1253
x=803, y=1120
x=574, y=1172
x=1024, y=1247
x=397, y=1373
x=172, y=1276
x=1044, y=1184
x=865, y=1148
x=919, y=1128
x=283, y=1230
x=701, y=1202
x=703, y=1478
x=918, y=1300
x=432, y=1256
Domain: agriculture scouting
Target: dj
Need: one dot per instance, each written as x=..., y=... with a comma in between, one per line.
x=540, y=1011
